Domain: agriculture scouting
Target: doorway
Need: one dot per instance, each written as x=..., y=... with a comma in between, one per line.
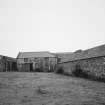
x=31, y=67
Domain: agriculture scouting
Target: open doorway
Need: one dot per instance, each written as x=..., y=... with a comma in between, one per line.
x=14, y=66
x=31, y=67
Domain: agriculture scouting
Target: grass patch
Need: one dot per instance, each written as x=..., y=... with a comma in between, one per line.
x=41, y=90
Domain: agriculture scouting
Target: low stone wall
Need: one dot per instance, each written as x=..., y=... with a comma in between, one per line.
x=92, y=66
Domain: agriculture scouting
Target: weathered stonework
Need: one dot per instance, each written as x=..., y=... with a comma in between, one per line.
x=93, y=66
x=44, y=64
x=36, y=61
x=7, y=64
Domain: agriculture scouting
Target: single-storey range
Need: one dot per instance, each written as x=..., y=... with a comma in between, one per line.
x=36, y=61
x=92, y=61
x=7, y=64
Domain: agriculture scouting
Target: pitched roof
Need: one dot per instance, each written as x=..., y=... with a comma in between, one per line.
x=62, y=54
x=8, y=58
x=34, y=54
x=89, y=53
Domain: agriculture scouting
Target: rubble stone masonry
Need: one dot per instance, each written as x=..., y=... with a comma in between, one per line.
x=93, y=66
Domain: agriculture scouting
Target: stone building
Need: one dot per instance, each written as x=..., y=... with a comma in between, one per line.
x=7, y=64
x=92, y=61
x=36, y=61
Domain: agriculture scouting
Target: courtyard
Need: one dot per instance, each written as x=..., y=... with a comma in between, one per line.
x=24, y=88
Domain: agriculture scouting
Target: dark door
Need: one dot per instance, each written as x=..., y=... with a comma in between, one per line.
x=8, y=66
x=31, y=67
x=14, y=66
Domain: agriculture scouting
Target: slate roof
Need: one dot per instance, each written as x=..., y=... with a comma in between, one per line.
x=62, y=54
x=8, y=58
x=34, y=54
x=85, y=54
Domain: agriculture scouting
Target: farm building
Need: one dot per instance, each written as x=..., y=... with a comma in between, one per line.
x=91, y=61
x=7, y=64
x=36, y=61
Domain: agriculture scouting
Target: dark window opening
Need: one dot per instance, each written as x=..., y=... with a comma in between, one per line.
x=25, y=59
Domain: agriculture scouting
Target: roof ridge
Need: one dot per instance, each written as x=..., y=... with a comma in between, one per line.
x=88, y=53
x=94, y=47
x=35, y=52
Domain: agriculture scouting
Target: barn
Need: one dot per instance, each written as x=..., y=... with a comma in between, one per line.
x=36, y=61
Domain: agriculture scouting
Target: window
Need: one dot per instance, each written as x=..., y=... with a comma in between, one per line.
x=46, y=58
x=25, y=59
x=35, y=59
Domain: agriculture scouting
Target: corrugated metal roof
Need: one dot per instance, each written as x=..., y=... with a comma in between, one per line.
x=34, y=54
x=93, y=52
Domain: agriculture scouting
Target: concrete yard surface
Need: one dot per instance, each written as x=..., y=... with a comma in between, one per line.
x=49, y=89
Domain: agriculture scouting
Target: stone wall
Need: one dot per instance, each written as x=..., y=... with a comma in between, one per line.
x=2, y=64
x=93, y=66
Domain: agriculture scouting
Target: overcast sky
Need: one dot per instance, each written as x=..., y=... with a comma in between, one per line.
x=50, y=25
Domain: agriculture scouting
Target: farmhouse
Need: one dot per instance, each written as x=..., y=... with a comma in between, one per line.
x=91, y=61
x=7, y=64
x=36, y=61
